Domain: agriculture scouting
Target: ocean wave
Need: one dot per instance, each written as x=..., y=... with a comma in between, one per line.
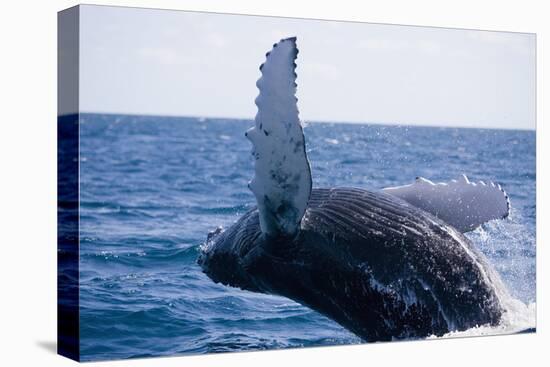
x=518, y=318
x=149, y=257
x=152, y=188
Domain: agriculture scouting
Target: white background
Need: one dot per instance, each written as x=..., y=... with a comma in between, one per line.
x=28, y=183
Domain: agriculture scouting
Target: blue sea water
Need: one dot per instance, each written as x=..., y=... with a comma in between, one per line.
x=152, y=188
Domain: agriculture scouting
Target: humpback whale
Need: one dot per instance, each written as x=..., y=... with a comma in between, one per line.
x=385, y=264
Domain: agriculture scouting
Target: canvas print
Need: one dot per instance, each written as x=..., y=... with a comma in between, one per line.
x=232, y=183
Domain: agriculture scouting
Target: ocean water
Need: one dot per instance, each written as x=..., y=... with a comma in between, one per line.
x=153, y=187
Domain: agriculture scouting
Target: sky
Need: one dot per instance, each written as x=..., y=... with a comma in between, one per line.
x=161, y=62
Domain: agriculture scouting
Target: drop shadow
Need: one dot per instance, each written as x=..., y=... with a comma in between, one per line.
x=48, y=345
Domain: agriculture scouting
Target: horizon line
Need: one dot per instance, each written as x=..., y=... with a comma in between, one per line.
x=307, y=122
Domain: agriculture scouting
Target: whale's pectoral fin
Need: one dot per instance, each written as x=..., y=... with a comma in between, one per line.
x=463, y=204
x=282, y=180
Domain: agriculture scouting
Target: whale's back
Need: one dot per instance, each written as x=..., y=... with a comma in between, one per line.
x=380, y=267
x=406, y=254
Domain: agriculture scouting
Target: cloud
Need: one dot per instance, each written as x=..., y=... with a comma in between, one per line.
x=324, y=71
x=492, y=37
x=216, y=40
x=524, y=43
x=426, y=46
x=161, y=55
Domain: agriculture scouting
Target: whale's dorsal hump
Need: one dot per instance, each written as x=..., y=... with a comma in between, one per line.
x=461, y=203
x=282, y=180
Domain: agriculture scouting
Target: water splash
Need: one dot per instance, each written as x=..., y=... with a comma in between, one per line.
x=519, y=317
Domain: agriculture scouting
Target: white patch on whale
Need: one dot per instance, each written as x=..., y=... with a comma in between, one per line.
x=282, y=180
x=461, y=203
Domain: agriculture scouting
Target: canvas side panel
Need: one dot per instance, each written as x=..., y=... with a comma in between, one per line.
x=68, y=340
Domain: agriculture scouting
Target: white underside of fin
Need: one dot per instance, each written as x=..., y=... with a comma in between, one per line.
x=463, y=204
x=282, y=180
